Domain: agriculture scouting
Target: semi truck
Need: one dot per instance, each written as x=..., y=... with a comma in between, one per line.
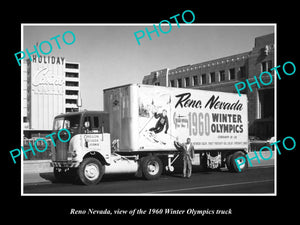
x=138, y=127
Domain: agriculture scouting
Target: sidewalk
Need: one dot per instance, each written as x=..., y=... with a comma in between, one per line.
x=40, y=171
x=37, y=171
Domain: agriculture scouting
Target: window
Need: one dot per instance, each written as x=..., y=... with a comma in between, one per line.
x=222, y=75
x=68, y=122
x=243, y=71
x=72, y=83
x=87, y=119
x=231, y=74
x=264, y=66
x=71, y=92
x=96, y=122
x=72, y=109
x=203, y=78
x=154, y=78
x=267, y=66
x=212, y=77
x=172, y=83
x=71, y=101
x=195, y=80
x=187, y=81
x=68, y=74
x=270, y=65
x=93, y=126
x=179, y=81
x=72, y=66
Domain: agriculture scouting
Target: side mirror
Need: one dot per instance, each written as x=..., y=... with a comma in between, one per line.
x=86, y=124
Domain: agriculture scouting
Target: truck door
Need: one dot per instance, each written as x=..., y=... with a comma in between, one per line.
x=96, y=132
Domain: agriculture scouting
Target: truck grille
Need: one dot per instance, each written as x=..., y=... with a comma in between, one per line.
x=61, y=151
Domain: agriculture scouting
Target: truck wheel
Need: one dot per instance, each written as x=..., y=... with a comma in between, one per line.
x=151, y=167
x=228, y=162
x=234, y=167
x=90, y=171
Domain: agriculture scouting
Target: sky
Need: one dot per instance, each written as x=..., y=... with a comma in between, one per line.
x=109, y=54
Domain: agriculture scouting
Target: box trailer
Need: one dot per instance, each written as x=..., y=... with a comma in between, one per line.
x=139, y=126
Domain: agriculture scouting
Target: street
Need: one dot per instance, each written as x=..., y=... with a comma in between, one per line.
x=256, y=180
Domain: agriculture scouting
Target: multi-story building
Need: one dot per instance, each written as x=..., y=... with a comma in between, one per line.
x=51, y=86
x=221, y=75
x=72, y=86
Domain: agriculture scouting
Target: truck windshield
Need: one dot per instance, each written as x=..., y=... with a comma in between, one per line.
x=68, y=122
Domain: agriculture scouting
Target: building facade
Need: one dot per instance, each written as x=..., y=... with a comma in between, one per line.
x=221, y=74
x=51, y=86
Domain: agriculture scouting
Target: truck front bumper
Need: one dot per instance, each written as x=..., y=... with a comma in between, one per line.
x=64, y=164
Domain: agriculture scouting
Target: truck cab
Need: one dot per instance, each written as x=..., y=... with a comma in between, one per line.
x=90, y=153
x=89, y=148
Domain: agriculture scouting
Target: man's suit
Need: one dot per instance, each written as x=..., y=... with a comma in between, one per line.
x=188, y=154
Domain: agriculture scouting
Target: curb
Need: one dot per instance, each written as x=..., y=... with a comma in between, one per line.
x=37, y=166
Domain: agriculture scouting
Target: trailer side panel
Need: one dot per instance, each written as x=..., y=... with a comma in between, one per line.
x=153, y=117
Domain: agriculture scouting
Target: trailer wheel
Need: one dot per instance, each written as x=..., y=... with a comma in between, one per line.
x=151, y=167
x=228, y=162
x=234, y=167
x=90, y=171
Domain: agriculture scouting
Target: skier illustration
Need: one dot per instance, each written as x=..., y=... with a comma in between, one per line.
x=154, y=134
x=161, y=122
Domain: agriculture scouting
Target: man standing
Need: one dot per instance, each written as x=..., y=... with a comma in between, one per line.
x=188, y=154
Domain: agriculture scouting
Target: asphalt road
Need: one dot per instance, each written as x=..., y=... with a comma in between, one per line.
x=256, y=180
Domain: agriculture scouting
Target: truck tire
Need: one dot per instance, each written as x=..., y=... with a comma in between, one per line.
x=233, y=166
x=90, y=171
x=151, y=167
x=228, y=162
